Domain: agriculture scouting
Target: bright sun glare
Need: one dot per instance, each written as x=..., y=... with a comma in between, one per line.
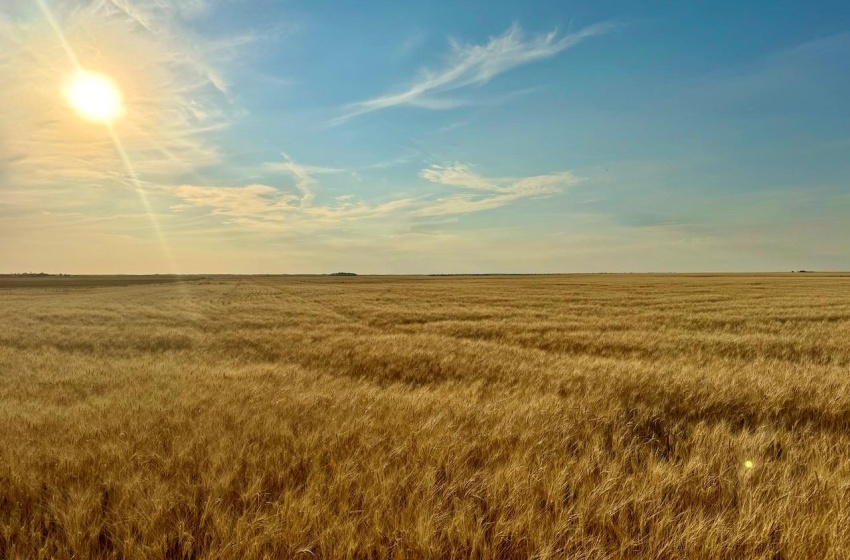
x=95, y=97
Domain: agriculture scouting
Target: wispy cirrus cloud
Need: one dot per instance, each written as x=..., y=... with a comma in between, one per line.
x=303, y=175
x=153, y=14
x=266, y=208
x=413, y=42
x=251, y=201
x=208, y=57
x=474, y=65
x=498, y=192
x=460, y=175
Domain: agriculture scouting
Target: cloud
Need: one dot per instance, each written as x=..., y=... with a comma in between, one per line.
x=267, y=208
x=249, y=201
x=507, y=189
x=151, y=15
x=413, y=42
x=165, y=19
x=474, y=65
x=460, y=175
x=303, y=174
x=798, y=82
x=408, y=156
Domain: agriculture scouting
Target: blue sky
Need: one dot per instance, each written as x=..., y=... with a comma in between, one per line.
x=417, y=137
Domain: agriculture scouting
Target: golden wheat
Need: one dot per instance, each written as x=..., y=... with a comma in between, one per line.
x=607, y=416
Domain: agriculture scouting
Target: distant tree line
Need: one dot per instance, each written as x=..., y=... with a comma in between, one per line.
x=36, y=274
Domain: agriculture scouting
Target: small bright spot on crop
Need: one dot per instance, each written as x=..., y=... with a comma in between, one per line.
x=748, y=464
x=95, y=97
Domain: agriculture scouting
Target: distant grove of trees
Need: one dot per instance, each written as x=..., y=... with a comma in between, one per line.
x=343, y=274
x=36, y=274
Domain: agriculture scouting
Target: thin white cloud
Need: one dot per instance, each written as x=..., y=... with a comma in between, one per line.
x=266, y=208
x=474, y=65
x=245, y=202
x=154, y=15
x=460, y=175
x=164, y=19
x=303, y=175
x=506, y=190
x=408, y=157
x=413, y=42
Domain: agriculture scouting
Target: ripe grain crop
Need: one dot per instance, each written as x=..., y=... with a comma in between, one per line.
x=586, y=416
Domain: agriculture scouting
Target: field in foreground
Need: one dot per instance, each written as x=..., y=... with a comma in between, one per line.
x=554, y=416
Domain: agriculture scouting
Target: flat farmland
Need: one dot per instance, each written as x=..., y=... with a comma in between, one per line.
x=563, y=416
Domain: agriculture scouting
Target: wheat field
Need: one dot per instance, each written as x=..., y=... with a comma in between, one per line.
x=574, y=416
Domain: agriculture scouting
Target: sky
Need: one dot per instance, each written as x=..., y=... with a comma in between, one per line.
x=441, y=136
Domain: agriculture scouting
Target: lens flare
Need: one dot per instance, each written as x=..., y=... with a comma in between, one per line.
x=748, y=464
x=95, y=97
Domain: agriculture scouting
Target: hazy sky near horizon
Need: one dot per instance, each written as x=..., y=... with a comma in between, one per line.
x=415, y=137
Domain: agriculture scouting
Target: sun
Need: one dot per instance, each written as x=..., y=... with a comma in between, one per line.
x=95, y=97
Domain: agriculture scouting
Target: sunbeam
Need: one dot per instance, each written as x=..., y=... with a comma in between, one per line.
x=54, y=25
x=143, y=197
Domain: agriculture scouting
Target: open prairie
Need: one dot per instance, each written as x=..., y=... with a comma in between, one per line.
x=586, y=416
